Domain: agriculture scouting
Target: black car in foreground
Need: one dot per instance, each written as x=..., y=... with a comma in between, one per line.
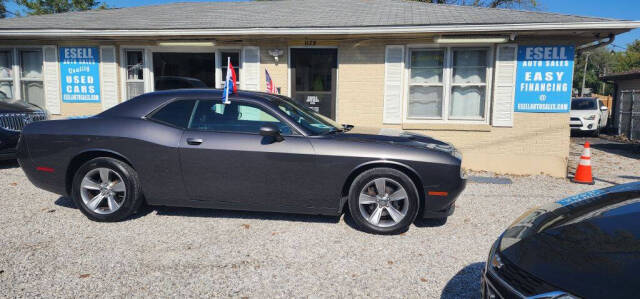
x=262, y=152
x=13, y=117
x=584, y=246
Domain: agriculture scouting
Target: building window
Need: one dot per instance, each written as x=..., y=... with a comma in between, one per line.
x=426, y=84
x=6, y=75
x=21, y=76
x=235, y=61
x=448, y=84
x=469, y=84
x=135, y=73
x=31, y=78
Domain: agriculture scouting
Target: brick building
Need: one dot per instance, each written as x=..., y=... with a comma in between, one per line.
x=494, y=82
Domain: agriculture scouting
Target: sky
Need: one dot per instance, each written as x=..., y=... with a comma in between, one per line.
x=617, y=9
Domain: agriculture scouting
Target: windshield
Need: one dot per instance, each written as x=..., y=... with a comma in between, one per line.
x=583, y=104
x=314, y=122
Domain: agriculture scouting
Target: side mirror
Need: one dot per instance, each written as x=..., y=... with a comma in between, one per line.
x=604, y=108
x=271, y=131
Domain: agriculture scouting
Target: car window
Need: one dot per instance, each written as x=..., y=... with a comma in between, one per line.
x=234, y=117
x=175, y=113
x=583, y=104
x=315, y=122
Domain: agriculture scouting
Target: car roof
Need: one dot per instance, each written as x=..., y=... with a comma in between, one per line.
x=144, y=104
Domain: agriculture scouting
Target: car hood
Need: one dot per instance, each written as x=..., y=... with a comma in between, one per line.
x=17, y=107
x=397, y=137
x=588, y=244
x=581, y=113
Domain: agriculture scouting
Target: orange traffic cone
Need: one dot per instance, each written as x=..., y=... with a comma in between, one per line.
x=583, y=173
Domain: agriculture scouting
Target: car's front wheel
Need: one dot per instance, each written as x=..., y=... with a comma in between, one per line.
x=106, y=189
x=383, y=201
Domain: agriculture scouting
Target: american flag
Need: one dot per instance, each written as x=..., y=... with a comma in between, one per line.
x=270, y=86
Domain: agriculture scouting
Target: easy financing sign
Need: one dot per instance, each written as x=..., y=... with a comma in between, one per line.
x=544, y=78
x=80, y=74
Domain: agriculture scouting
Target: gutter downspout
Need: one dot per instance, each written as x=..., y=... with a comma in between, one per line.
x=599, y=43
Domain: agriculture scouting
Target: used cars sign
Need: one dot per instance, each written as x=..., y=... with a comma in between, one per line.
x=80, y=73
x=544, y=77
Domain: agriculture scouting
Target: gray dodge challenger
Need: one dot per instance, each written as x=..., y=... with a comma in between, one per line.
x=261, y=152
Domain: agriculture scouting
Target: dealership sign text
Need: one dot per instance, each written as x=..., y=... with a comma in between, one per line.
x=544, y=78
x=80, y=73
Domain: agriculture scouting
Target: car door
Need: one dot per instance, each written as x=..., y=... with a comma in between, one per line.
x=226, y=163
x=604, y=114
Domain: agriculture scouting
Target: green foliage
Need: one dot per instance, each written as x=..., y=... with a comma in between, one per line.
x=600, y=61
x=629, y=59
x=603, y=61
x=3, y=9
x=41, y=7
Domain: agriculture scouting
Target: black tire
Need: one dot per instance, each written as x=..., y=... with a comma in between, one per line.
x=596, y=132
x=363, y=180
x=133, y=198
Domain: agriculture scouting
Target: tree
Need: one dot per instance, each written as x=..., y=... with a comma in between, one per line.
x=3, y=9
x=488, y=3
x=629, y=59
x=601, y=61
x=42, y=7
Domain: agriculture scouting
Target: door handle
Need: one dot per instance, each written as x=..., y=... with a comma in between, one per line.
x=194, y=141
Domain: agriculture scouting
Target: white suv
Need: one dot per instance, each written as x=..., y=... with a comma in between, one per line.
x=588, y=114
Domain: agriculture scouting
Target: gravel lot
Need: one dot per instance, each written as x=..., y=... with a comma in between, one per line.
x=49, y=248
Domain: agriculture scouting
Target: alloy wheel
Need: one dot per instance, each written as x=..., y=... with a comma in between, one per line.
x=383, y=202
x=103, y=191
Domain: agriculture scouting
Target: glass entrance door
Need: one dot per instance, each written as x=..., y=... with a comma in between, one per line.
x=313, y=75
x=183, y=70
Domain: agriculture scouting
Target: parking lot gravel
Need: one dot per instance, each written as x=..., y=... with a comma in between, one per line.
x=50, y=249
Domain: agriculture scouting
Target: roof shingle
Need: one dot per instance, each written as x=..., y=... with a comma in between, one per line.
x=285, y=14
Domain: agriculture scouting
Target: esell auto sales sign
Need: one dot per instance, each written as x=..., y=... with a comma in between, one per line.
x=80, y=74
x=544, y=79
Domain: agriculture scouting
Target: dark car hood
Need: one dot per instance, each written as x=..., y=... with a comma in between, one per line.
x=17, y=107
x=588, y=244
x=395, y=136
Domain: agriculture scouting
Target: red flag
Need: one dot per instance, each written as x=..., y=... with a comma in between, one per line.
x=233, y=76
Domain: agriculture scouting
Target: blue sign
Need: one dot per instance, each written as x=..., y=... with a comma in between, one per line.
x=544, y=78
x=580, y=197
x=80, y=74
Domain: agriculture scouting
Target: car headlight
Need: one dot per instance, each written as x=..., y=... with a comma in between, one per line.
x=492, y=254
x=590, y=117
x=496, y=262
x=457, y=154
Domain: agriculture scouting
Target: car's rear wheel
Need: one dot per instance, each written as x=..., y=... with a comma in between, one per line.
x=383, y=201
x=106, y=189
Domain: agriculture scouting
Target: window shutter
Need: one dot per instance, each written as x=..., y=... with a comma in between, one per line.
x=250, y=78
x=108, y=77
x=393, y=71
x=504, y=91
x=51, y=79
